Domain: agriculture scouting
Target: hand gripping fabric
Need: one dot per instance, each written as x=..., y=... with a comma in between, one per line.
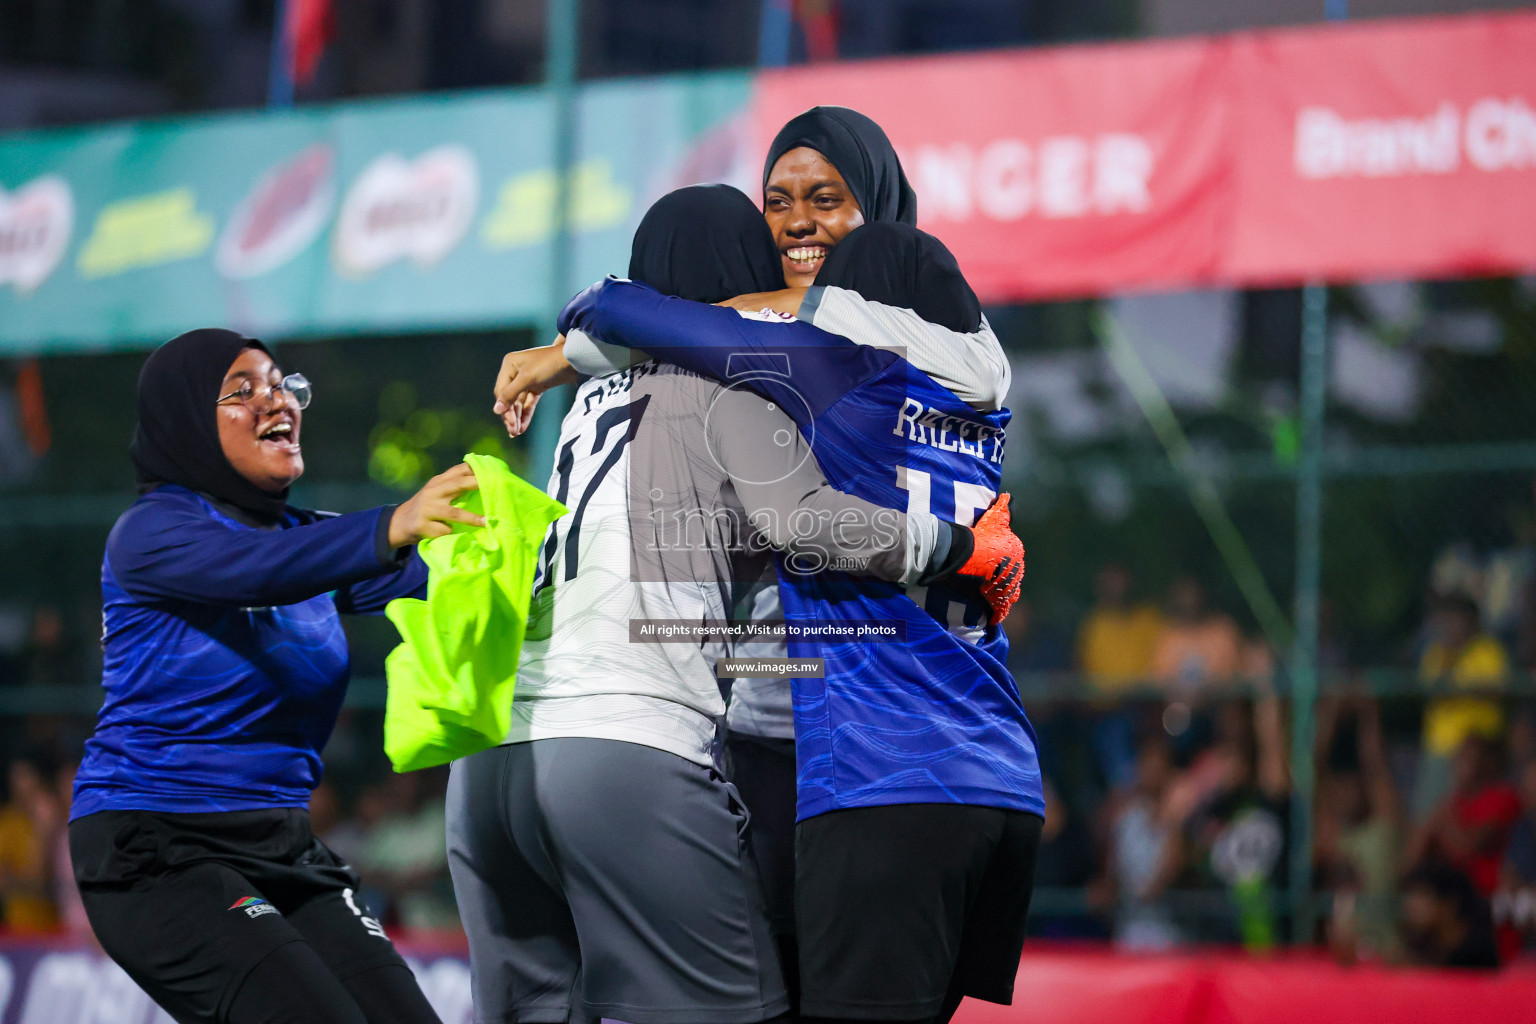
x=451, y=679
x=997, y=559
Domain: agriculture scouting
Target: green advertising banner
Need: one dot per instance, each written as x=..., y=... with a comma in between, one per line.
x=397, y=216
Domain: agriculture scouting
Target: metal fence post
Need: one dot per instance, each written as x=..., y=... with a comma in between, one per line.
x=560, y=52
x=1309, y=569
x=279, y=80
x=1304, y=669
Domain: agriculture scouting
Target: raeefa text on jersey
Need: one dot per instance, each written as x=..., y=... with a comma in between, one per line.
x=949, y=433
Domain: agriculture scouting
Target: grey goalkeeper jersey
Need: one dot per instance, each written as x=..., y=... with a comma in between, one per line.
x=973, y=366
x=678, y=489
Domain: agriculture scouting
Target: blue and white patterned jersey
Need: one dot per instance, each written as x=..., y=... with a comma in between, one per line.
x=224, y=660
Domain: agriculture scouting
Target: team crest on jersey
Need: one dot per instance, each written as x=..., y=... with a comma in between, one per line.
x=254, y=906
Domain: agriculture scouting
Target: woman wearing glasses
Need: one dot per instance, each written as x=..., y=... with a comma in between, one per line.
x=224, y=668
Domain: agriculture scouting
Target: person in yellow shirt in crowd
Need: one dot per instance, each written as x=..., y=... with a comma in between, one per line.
x=30, y=823
x=1459, y=656
x=1116, y=638
x=1114, y=653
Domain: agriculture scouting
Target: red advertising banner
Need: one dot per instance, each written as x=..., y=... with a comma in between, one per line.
x=1399, y=148
x=1085, y=987
x=66, y=981
x=1044, y=171
x=1403, y=149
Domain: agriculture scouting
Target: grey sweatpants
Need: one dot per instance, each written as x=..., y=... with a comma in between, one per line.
x=598, y=878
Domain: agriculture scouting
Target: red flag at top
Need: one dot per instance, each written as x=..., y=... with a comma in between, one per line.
x=309, y=29
x=818, y=21
x=33, y=410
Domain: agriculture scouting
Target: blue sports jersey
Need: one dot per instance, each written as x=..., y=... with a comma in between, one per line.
x=224, y=661
x=935, y=718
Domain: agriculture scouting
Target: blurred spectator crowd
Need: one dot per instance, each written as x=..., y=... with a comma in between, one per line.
x=1167, y=751
x=1166, y=746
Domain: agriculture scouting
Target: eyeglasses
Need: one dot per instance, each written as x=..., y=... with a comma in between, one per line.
x=295, y=385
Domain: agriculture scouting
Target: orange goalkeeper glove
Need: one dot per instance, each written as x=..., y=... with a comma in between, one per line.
x=997, y=560
x=988, y=556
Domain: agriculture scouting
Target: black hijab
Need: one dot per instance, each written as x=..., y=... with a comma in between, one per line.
x=176, y=440
x=705, y=243
x=862, y=154
x=901, y=266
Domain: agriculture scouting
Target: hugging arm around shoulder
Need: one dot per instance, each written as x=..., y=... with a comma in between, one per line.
x=606, y=325
x=792, y=362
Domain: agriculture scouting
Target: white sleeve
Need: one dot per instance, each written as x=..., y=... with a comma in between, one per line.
x=598, y=358
x=973, y=366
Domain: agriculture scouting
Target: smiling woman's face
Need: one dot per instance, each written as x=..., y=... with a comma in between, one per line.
x=810, y=209
x=261, y=440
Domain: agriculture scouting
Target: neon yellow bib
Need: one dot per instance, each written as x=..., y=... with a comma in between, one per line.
x=451, y=678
